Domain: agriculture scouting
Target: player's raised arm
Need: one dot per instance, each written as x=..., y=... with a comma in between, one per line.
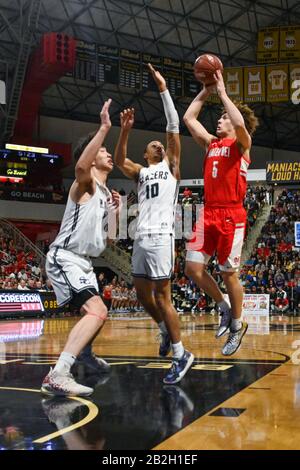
x=173, y=140
x=127, y=166
x=84, y=165
x=243, y=136
x=198, y=131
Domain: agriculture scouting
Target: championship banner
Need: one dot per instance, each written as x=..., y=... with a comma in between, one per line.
x=294, y=77
x=255, y=312
x=214, y=97
x=283, y=172
x=289, y=43
x=268, y=46
x=297, y=234
x=277, y=83
x=254, y=84
x=233, y=78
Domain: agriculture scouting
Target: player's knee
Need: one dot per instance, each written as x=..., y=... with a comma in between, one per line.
x=100, y=313
x=95, y=308
x=188, y=270
x=142, y=297
x=229, y=276
x=161, y=299
x=191, y=271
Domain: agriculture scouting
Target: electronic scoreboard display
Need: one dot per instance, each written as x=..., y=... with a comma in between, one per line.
x=191, y=87
x=100, y=64
x=148, y=82
x=172, y=72
x=108, y=65
x=130, y=69
x=30, y=158
x=85, y=66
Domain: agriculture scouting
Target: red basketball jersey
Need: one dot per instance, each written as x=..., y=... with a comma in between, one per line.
x=225, y=174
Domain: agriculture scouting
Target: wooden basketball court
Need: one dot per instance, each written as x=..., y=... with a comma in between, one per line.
x=248, y=401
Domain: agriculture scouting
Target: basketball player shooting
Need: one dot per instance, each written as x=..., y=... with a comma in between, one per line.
x=221, y=227
x=153, y=250
x=82, y=235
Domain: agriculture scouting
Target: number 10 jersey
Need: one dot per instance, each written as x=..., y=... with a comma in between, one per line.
x=157, y=199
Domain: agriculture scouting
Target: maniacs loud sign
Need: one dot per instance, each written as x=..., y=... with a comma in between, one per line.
x=283, y=172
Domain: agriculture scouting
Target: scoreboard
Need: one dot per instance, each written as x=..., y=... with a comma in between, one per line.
x=98, y=64
x=108, y=65
x=37, y=159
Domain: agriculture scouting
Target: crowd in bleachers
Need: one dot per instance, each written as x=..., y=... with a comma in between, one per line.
x=19, y=270
x=118, y=295
x=274, y=266
x=186, y=295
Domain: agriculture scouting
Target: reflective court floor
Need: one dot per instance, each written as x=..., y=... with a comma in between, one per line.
x=248, y=401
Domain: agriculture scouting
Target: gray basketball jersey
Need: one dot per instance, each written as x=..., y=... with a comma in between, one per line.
x=157, y=198
x=83, y=228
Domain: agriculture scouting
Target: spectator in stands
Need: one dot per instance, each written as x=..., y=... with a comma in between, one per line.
x=31, y=284
x=281, y=302
x=22, y=285
x=102, y=281
x=107, y=295
x=22, y=275
x=39, y=286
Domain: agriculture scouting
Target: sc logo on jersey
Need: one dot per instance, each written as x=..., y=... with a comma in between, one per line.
x=83, y=280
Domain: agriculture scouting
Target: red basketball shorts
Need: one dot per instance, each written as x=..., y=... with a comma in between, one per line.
x=219, y=231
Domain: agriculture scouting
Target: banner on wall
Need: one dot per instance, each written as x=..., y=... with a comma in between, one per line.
x=254, y=84
x=294, y=73
x=277, y=83
x=283, y=172
x=30, y=195
x=268, y=46
x=214, y=97
x=233, y=78
x=289, y=43
x=255, y=312
x=14, y=304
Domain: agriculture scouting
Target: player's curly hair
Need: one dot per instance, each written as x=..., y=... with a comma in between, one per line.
x=251, y=121
x=83, y=143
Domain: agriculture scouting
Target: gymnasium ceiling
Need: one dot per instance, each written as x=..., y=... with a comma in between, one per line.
x=180, y=29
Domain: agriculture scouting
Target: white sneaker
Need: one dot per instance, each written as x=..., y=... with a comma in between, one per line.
x=63, y=385
x=234, y=340
x=225, y=323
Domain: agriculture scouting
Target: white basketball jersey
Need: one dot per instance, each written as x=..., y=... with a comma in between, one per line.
x=254, y=83
x=157, y=198
x=82, y=229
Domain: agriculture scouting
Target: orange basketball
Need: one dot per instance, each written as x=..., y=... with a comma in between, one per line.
x=205, y=66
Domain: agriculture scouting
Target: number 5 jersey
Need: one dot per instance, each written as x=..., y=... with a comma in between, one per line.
x=225, y=174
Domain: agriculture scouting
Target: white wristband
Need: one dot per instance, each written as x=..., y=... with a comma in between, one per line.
x=170, y=113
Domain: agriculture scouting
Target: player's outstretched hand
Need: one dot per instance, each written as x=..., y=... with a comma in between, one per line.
x=220, y=85
x=104, y=115
x=127, y=119
x=158, y=78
